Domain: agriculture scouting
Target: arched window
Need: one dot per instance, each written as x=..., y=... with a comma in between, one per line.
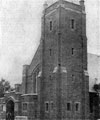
x=35, y=83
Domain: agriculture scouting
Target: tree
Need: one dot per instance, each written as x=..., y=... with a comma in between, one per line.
x=96, y=87
x=4, y=86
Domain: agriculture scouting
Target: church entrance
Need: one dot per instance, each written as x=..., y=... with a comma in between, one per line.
x=10, y=110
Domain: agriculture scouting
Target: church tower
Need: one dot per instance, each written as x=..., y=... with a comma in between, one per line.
x=64, y=85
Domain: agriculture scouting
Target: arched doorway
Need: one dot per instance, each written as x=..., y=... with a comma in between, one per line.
x=10, y=110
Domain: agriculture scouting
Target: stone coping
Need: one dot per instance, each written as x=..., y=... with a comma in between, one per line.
x=29, y=94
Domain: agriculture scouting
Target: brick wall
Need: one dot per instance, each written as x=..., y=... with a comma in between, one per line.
x=70, y=82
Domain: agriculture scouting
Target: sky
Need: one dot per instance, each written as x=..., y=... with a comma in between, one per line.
x=20, y=31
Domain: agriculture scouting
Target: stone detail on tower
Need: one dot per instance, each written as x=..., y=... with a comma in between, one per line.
x=55, y=69
x=86, y=73
x=40, y=74
x=63, y=70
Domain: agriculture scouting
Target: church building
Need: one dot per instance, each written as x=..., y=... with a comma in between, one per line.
x=55, y=86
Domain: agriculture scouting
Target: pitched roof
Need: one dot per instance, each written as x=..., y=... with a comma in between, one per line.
x=36, y=60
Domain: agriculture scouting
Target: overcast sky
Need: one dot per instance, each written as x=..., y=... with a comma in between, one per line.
x=20, y=31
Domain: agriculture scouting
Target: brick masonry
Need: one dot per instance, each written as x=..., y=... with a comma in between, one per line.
x=57, y=73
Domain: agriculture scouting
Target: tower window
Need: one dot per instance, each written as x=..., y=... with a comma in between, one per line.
x=50, y=25
x=77, y=107
x=35, y=83
x=68, y=106
x=73, y=77
x=50, y=77
x=72, y=24
x=72, y=51
x=24, y=106
x=50, y=51
x=46, y=106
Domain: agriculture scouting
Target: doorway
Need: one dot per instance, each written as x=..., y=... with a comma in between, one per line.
x=10, y=110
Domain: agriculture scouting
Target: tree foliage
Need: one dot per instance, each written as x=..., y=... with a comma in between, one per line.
x=4, y=86
x=96, y=87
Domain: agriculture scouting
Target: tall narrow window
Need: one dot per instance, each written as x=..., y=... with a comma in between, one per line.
x=50, y=51
x=50, y=25
x=1, y=107
x=72, y=24
x=35, y=114
x=24, y=106
x=68, y=106
x=77, y=107
x=73, y=77
x=35, y=83
x=50, y=77
x=72, y=51
x=46, y=106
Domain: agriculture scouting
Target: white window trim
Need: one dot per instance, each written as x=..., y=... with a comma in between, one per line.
x=78, y=108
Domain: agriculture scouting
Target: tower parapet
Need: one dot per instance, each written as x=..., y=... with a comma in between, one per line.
x=82, y=4
x=45, y=5
x=25, y=69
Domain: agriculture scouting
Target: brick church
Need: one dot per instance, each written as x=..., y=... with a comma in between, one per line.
x=56, y=84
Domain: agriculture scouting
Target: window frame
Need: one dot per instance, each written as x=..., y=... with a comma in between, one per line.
x=1, y=107
x=50, y=25
x=25, y=110
x=78, y=106
x=72, y=24
x=73, y=77
x=47, y=102
x=72, y=51
x=70, y=106
x=35, y=78
x=50, y=52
